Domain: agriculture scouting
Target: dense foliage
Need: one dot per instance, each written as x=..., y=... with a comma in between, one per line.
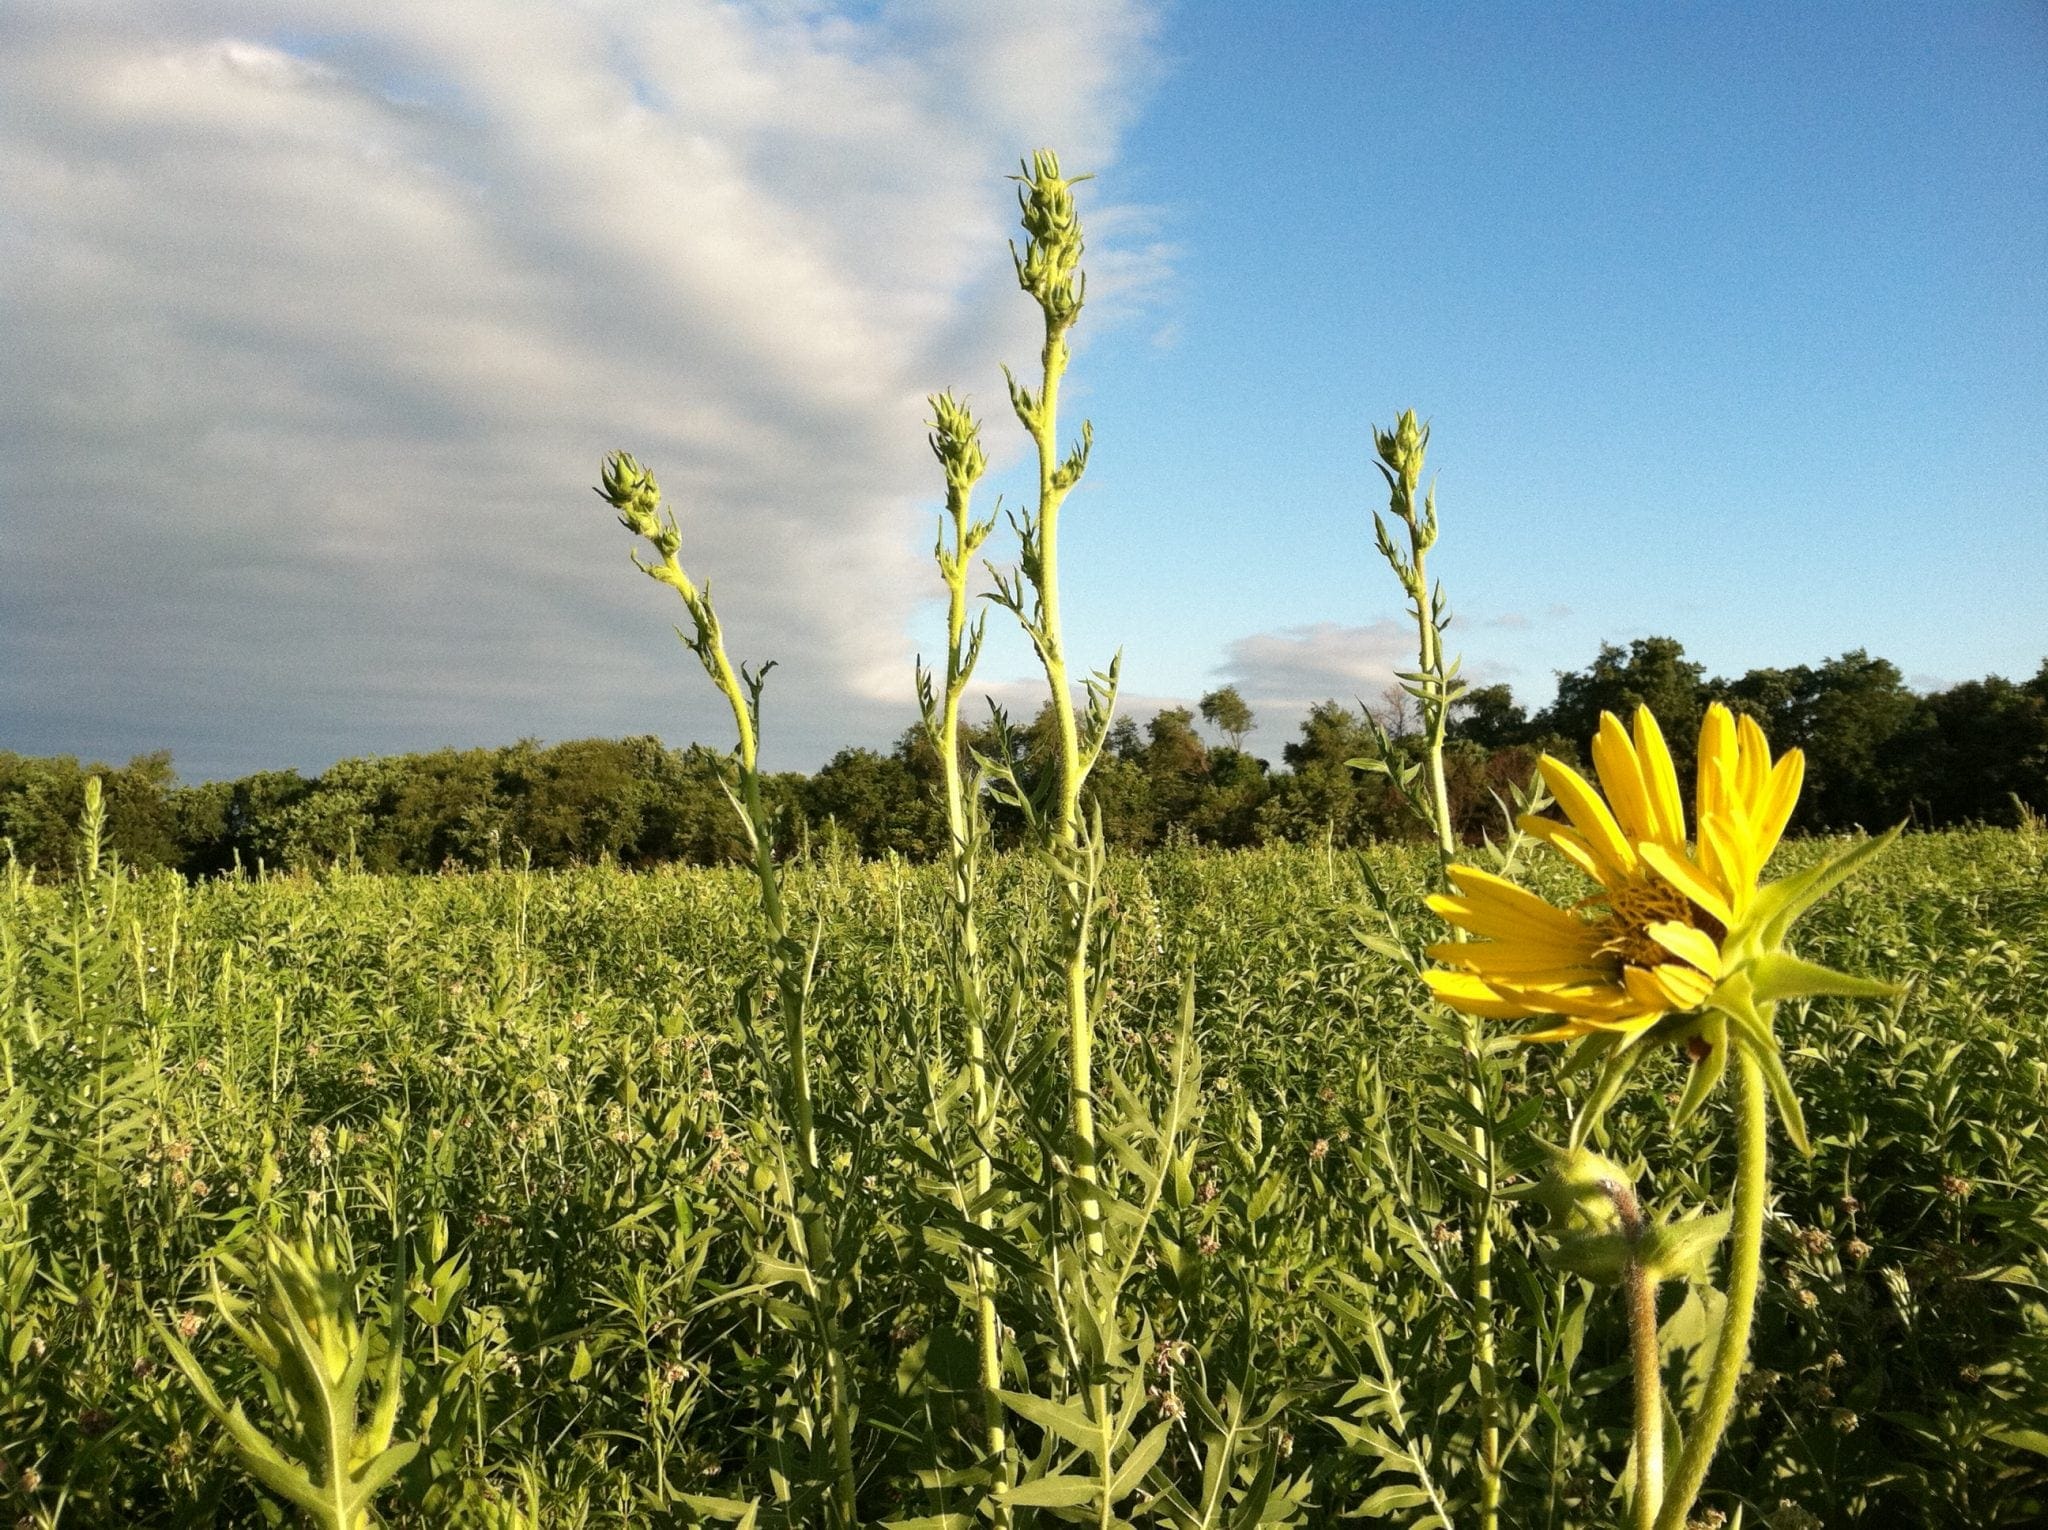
x=540, y=1086
x=1879, y=753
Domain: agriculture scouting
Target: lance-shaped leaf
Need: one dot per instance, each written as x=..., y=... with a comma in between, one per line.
x=1780, y=975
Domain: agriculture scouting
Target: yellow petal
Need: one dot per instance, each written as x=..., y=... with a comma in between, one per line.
x=1733, y=850
x=1626, y=1025
x=1660, y=779
x=1689, y=879
x=1462, y=991
x=1571, y=1030
x=1717, y=759
x=1683, y=987
x=1614, y=757
x=1561, y=838
x=1492, y=959
x=1689, y=944
x=1589, y=815
x=1491, y=906
x=1787, y=776
x=1587, y=1001
x=1755, y=754
x=1667, y=988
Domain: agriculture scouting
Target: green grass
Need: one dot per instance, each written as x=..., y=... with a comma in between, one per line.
x=541, y=1086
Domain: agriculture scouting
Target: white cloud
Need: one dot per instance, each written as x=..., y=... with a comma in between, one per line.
x=322, y=318
x=1299, y=666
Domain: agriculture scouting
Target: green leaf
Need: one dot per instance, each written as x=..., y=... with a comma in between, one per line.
x=1707, y=1071
x=1776, y=907
x=729, y=1510
x=1144, y=1455
x=2035, y=1440
x=1393, y=1498
x=1055, y=1493
x=1780, y=975
x=1785, y=1097
x=1066, y=1420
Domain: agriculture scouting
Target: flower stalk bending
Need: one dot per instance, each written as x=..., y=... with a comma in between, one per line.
x=632, y=491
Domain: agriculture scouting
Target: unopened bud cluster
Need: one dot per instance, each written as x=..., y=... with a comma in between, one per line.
x=1403, y=449
x=956, y=442
x=631, y=490
x=1052, y=253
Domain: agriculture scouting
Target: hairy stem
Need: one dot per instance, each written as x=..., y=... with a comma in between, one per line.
x=1745, y=1271
x=1639, y=1291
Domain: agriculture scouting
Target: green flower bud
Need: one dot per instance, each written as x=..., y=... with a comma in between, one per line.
x=1585, y=1195
x=1403, y=449
x=1681, y=1250
x=1601, y=1257
x=956, y=441
x=631, y=490
x=1052, y=254
x=1583, y=1190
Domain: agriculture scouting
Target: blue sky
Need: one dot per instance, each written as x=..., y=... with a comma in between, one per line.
x=1728, y=320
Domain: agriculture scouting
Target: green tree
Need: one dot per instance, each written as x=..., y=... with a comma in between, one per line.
x=1321, y=793
x=877, y=802
x=576, y=802
x=1852, y=716
x=1489, y=716
x=1979, y=747
x=1226, y=711
x=1652, y=672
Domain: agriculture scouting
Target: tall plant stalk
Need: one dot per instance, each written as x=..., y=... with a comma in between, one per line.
x=1434, y=685
x=955, y=441
x=633, y=492
x=1049, y=269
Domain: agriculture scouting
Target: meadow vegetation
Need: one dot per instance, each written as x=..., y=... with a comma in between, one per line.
x=538, y=1086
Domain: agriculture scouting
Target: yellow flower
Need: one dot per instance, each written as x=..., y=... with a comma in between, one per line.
x=1669, y=921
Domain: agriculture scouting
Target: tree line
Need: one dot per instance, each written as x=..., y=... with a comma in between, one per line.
x=1877, y=753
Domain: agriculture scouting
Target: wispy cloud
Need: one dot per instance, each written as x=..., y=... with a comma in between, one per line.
x=1283, y=673
x=319, y=328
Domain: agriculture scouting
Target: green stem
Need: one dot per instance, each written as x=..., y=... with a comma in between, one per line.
x=787, y=961
x=1649, y=1396
x=970, y=991
x=1484, y=1349
x=1745, y=1271
x=1066, y=822
x=1640, y=1292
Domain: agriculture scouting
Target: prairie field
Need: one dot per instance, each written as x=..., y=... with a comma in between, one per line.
x=535, y=1107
